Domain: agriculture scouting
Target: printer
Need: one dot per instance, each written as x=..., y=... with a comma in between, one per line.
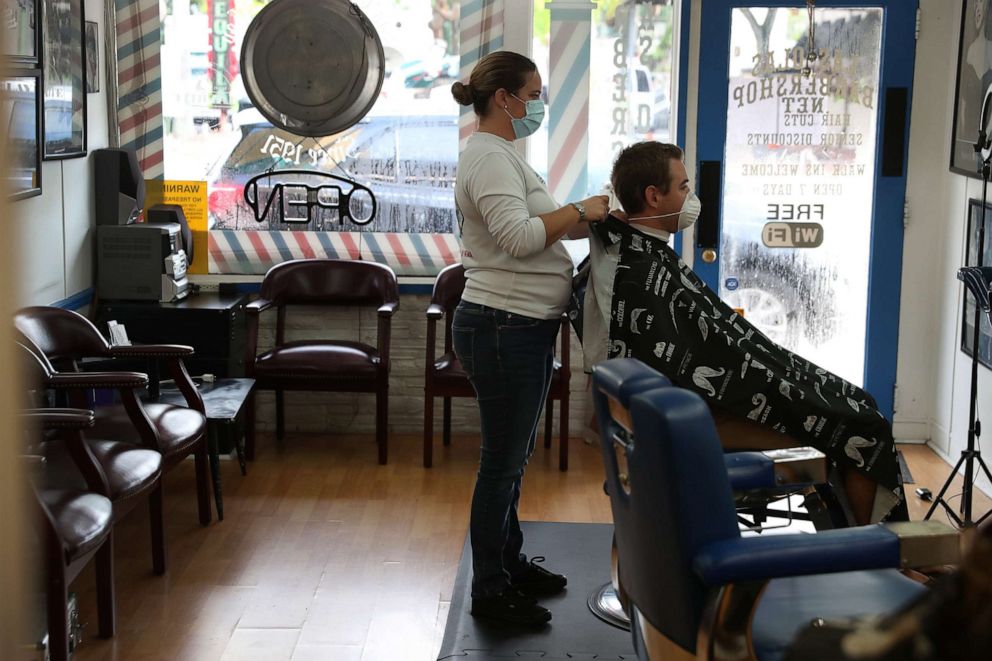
x=141, y=261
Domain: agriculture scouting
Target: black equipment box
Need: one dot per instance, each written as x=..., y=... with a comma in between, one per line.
x=212, y=323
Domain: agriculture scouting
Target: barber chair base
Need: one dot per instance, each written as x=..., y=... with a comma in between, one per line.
x=582, y=552
x=605, y=604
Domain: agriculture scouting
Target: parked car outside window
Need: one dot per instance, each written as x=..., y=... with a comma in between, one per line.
x=408, y=162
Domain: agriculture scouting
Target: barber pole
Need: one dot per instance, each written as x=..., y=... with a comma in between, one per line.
x=568, y=91
x=480, y=33
x=139, y=82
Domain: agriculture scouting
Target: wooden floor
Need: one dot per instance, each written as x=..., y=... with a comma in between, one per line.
x=325, y=555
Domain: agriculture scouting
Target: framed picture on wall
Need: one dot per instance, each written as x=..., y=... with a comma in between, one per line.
x=19, y=30
x=64, y=56
x=971, y=259
x=974, y=79
x=92, y=58
x=20, y=107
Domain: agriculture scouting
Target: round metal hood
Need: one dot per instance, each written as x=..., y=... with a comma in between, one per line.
x=312, y=67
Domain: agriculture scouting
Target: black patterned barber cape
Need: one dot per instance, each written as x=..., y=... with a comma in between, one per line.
x=665, y=316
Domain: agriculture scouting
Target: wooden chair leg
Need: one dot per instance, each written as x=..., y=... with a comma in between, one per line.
x=106, y=601
x=428, y=430
x=280, y=420
x=549, y=410
x=58, y=619
x=563, y=431
x=203, y=483
x=447, y=421
x=382, y=423
x=250, y=427
x=155, y=505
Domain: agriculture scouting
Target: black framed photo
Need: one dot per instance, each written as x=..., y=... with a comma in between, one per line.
x=92, y=58
x=19, y=27
x=20, y=110
x=968, y=309
x=974, y=79
x=64, y=56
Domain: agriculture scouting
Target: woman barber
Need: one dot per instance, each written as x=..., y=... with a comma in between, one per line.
x=518, y=281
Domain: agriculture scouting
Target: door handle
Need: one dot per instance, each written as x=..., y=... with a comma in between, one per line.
x=894, y=131
x=708, y=225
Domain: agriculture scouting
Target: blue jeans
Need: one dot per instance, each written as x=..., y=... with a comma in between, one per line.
x=508, y=359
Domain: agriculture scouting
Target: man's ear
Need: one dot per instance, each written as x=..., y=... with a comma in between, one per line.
x=651, y=195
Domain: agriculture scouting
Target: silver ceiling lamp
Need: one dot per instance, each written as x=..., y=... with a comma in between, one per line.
x=312, y=67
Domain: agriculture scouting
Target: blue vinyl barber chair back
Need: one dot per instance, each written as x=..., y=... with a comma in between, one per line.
x=695, y=587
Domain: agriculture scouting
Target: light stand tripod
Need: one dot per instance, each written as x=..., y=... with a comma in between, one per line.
x=978, y=280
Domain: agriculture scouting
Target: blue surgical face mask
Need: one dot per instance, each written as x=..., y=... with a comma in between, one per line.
x=534, y=115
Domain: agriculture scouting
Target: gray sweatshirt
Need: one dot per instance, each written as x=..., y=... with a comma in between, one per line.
x=499, y=196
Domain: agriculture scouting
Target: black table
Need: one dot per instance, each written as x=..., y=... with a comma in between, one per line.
x=223, y=400
x=213, y=323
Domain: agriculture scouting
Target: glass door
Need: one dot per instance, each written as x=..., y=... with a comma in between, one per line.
x=802, y=136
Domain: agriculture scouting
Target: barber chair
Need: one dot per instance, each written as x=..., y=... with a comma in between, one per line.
x=123, y=472
x=76, y=526
x=65, y=338
x=444, y=376
x=694, y=587
x=323, y=364
x=758, y=478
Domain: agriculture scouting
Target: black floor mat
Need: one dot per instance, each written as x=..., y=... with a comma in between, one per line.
x=581, y=551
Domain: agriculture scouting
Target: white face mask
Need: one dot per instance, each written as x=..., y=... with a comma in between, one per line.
x=687, y=216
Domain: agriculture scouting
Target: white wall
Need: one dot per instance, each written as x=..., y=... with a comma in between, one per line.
x=933, y=374
x=53, y=232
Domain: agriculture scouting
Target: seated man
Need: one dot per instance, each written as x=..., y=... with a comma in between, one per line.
x=642, y=301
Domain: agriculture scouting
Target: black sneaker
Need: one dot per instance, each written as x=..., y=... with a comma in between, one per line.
x=536, y=581
x=511, y=606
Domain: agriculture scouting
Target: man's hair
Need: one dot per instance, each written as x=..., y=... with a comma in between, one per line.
x=639, y=166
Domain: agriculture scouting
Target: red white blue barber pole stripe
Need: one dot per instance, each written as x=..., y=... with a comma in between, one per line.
x=568, y=89
x=254, y=252
x=480, y=33
x=139, y=81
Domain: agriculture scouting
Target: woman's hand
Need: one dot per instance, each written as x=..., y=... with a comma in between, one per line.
x=597, y=207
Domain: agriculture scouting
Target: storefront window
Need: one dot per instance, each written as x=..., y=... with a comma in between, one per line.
x=405, y=149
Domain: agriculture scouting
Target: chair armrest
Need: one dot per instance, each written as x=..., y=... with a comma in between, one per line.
x=70, y=423
x=85, y=380
x=435, y=311
x=257, y=306
x=890, y=546
x=775, y=468
x=60, y=418
x=388, y=308
x=779, y=556
x=749, y=470
x=152, y=351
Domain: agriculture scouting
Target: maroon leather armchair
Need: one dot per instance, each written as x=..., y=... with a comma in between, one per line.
x=75, y=526
x=65, y=337
x=323, y=364
x=126, y=473
x=444, y=376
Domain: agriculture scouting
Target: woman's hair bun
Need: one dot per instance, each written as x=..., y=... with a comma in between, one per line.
x=462, y=93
